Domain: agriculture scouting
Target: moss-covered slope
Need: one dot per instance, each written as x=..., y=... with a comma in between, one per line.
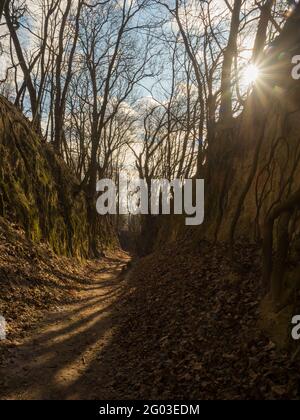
x=37, y=189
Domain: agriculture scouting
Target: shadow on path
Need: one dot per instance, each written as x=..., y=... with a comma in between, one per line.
x=53, y=361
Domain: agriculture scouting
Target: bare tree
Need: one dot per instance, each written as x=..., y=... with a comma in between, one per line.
x=229, y=54
x=12, y=16
x=2, y=6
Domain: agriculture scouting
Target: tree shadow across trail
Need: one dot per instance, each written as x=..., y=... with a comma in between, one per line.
x=183, y=324
x=54, y=361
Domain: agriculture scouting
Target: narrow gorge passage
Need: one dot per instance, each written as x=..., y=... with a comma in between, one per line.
x=149, y=202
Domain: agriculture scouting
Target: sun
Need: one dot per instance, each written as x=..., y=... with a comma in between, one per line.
x=250, y=74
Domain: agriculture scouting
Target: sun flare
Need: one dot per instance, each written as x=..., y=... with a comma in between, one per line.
x=250, y=74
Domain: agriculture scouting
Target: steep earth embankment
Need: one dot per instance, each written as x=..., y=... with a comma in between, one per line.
x=38, y=191
x=252, y=181
x=43, y=220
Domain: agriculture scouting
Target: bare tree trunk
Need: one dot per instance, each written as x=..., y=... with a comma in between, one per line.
x=58, y=106
x=261, y=35
x=62, y=91
x=25, y=69
x=2, y=6
x=229, y=54
x=199, y=79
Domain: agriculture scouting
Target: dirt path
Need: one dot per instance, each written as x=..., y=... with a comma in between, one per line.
x=54, y=360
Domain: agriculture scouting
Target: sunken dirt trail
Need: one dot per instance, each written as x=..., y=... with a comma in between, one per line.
x=53, y=361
